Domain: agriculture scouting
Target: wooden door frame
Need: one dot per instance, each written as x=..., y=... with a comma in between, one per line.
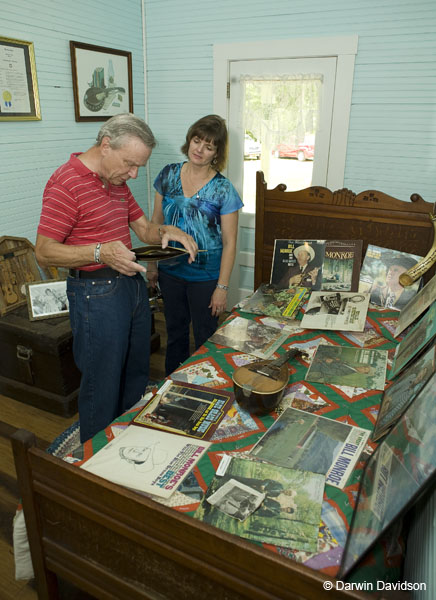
x=342, y=47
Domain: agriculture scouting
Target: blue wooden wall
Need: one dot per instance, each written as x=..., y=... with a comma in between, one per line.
x=31, y=150
x=392, y=137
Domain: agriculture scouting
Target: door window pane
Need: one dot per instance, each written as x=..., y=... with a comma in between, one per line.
x=281, y=116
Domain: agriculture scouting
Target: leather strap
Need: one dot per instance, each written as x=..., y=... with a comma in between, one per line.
x=105, y=273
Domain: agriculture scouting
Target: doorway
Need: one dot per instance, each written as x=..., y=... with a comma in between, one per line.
x=313, y=82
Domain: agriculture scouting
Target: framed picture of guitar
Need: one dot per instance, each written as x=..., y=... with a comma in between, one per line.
x=102, y=81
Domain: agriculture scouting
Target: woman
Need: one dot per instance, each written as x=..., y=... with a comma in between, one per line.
x=195, y=196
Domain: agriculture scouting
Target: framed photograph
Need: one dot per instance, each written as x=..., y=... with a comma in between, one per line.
x=47, y=299
x=19, y=98
x=400, y=472
x=102, y=81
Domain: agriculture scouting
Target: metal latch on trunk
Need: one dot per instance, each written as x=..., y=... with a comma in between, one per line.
x=24, y=356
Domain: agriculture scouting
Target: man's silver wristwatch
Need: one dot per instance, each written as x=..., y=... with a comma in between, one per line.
x=220, y=286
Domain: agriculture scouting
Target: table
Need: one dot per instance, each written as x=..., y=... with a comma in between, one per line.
x=212, y=365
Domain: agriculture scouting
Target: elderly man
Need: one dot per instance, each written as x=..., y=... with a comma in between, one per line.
x=86, y=213
x=301, y=274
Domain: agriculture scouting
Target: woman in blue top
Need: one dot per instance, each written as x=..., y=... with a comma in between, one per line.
x=195, y=196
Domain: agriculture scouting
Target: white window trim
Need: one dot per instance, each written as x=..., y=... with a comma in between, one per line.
x=342, y=47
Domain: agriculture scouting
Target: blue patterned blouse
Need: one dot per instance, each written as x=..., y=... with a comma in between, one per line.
x=200, y=216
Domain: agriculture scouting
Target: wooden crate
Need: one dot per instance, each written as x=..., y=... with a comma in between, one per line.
x=37, y=365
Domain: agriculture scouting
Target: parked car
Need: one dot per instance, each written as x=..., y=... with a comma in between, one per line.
x=252, y=149
x=303, y=151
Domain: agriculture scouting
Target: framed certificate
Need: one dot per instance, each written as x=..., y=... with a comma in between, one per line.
x=19, y=99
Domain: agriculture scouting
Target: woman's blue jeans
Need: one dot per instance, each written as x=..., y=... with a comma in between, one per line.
x=111, y=324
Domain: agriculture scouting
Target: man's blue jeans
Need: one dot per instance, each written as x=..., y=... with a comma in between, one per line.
x=111, y=324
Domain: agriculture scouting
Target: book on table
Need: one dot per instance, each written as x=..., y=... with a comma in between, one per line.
x=185, y=408
x=147, y=460
x=289, y=514
x=340, y=311
x=343, y=365
x=309, y=442
x=250, y=337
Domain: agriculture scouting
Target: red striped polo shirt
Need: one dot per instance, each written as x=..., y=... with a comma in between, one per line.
x=77, y=209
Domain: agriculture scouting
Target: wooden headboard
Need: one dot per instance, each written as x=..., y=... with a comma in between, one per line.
x=117, y=544
x=320, y=214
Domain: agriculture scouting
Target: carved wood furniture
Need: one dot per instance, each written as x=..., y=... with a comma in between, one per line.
x=320, y=214
x=117, y=544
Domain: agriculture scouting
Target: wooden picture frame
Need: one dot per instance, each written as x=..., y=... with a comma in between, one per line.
x=19, y=97
x=47, y=299
x=102, y=81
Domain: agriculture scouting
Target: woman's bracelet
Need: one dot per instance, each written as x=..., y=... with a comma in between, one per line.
x=220, y=286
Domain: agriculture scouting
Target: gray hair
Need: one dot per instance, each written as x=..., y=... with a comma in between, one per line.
x=123, y=126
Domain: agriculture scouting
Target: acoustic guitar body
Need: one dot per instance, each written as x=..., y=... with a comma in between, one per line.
x=257, y=393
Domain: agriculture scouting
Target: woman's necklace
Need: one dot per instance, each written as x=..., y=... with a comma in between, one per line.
x=197, y=186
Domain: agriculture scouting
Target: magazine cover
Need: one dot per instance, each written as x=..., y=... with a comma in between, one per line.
x=401, y=393
x=416, y=306
x=380, y=274
x=400, y=470
x=357, y=367
x=272, y=302
x=418, y=337
x=250, y=337
x=302, y=440
x=343, y=311
x=187, y=409
x=147, y=460
x=341, y=267
x=297, y=263
x=289, y=515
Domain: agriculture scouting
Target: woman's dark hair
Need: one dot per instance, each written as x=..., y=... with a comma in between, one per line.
x=211, y=128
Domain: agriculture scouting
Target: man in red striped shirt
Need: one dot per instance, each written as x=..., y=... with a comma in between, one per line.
x=86, y=213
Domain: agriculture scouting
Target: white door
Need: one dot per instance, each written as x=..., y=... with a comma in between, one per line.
x=286, y=106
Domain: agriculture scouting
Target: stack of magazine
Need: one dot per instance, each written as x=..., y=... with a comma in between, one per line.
x=250, y=337
x=164, y=441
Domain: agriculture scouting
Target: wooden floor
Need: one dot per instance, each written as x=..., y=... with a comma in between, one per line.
x=46, y=426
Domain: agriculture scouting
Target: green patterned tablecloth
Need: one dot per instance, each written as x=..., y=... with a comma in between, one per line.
x=212, y=365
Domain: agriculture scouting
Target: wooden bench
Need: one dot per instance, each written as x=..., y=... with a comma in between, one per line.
x=320, y=214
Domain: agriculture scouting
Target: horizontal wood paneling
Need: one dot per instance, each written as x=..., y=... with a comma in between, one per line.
x=31, y=150
x=392, y=135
